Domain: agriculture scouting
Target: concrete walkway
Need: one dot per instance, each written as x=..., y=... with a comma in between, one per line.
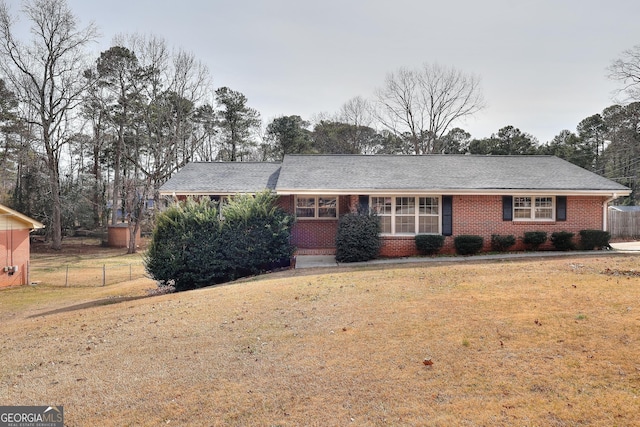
x=323, y=261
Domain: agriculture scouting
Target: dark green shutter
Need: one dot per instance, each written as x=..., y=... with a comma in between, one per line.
x=447, y=215
x=507, y=208
x=561, y=208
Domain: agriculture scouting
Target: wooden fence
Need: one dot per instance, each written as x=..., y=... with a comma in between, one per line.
x=624, y=224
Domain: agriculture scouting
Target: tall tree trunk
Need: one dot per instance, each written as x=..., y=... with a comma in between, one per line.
x=97, y=189
x=134, y=226
x=56, y=202
x=116, y=177
x=56, y=218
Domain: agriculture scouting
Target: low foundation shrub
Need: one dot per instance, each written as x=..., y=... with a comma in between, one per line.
x=594, y=239
x=533, y=239
x=502, y=243
x=429, y=244
x=563, y=240
x=468, y=244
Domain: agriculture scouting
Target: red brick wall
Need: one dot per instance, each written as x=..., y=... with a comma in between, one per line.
x=315, y=236
x=398, y=246
x=478, y=215
x=482, y=215
x=14, y=250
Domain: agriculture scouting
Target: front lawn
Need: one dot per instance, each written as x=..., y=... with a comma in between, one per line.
x=533, y=342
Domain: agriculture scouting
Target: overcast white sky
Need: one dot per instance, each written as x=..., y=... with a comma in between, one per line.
x=542, y=63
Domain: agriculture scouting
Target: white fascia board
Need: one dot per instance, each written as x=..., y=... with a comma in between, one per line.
x=204, y=193
x=454, y=192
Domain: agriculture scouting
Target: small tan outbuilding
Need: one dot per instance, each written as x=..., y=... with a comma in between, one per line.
x=15, y=246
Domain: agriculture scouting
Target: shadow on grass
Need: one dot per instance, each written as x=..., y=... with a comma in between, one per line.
x=90, y=304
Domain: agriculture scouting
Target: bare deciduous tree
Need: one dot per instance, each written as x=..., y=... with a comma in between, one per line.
x=423, y=104
x=627, y=71
x=46, y=76
x=358, y=112
x=170, y=87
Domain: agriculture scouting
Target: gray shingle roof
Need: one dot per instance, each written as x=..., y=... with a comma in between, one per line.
x=436, y=172
x=357, y=174
x=223, y=178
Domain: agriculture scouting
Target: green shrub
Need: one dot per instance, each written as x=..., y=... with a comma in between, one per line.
x=183, y=246
x=192, y=247
x=256, y=234
x=358, y=237
x=562, y=240
x=533, y=239
x=501, y=243
x=467, y=244
x=592, y=239
x=429, y=244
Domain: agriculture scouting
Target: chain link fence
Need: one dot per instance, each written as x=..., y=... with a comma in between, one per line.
x=70, y=275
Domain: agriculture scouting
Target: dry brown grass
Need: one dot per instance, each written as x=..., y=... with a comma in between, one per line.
x=540, y=342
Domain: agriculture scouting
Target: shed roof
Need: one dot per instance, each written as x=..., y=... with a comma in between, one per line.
x=625, y=208
x=10, y=219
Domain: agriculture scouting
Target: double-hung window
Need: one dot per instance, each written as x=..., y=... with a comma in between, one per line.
x=407, y=214
x=382, y=206
x=429, y=215
x=317, y=207
x=533, y=208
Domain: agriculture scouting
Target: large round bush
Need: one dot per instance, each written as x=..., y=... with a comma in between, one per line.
x=195, y=245
x=358, y=237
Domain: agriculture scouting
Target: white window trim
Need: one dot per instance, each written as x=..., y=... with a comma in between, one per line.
x=416, y=215
x=316, y=208
x=532, y=218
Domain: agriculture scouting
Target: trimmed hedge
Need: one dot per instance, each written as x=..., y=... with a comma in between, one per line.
x=533, y=239
x=563, y=240
x=501, y=243
x=358, y=237
x=181, y=245
x=192, y=247
x=256, y=235
x=592, y=239
x=429, y=244
x=468, y=244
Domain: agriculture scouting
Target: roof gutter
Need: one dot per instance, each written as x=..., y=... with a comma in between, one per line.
x=449, y=191
x=175, y=194
x=605, y=211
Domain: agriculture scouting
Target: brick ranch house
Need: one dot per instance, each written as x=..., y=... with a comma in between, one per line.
x=431, y=194
x=15, y=246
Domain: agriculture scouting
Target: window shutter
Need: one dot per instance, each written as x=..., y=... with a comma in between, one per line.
x=507, y=208
x=561, y=208
x=447, y=215
x=363, y=204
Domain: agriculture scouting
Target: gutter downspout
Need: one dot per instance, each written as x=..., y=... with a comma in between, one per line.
x=605, y=207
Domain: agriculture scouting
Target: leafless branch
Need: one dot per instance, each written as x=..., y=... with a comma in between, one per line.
x=424, y=103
